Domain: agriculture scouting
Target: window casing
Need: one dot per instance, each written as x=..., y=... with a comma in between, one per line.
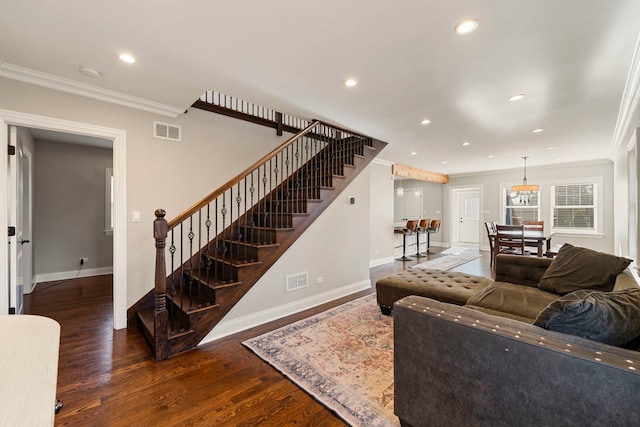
x=574, y=207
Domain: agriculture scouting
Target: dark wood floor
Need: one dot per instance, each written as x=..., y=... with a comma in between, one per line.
x=108, y=377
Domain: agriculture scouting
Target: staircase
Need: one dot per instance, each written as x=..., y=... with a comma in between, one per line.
x=209, y=257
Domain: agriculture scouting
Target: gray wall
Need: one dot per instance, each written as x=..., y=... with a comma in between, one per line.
x=492, y=182
x=173, y=176
x=69, y=208
x=381, y=214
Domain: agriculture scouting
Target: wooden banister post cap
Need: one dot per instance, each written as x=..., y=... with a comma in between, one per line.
x=160, y=213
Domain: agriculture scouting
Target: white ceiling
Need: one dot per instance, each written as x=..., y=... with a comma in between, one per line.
x=571, y=58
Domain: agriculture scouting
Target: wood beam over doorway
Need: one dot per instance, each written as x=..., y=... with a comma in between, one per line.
x=419, y=174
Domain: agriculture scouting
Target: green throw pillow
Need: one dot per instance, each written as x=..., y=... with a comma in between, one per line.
x=609, y=317
x=577, y=268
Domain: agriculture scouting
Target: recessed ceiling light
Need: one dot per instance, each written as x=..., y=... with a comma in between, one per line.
x=490, y=156
x=425, y=121
x=413, y=153
x=538, y=130
x=550, y=148
x=444, y=163
x=516, y=97
x=90, y=72
x=464, y=144
x=466, y=26
x=350, y=82
x=125, y=57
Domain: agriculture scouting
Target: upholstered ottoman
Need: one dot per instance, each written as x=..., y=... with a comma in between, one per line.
x=445, y=286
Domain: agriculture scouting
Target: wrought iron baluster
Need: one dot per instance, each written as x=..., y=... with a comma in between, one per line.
x=216, y=246
x=245, y=219
x=199, y=260
x=223, y=211
x=182, y=266
x=238, y=236
x=251, y=222
x=172, y=288
x=208, y=256
x=191, y=235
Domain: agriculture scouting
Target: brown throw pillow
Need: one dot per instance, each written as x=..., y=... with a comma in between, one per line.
x=609, y=317
x=581, y=268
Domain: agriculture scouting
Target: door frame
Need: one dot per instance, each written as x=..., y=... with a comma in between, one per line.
x=455, y=209
x=119, y=138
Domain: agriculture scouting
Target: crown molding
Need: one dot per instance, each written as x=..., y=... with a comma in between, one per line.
x=628, y=104
x=27, y=75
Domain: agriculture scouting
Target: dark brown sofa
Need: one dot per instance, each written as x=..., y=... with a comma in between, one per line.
x=486, y=364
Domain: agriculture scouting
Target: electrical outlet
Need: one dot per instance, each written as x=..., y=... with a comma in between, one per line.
x=319, y=280
x=84, y=260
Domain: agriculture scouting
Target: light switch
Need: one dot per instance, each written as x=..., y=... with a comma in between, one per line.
x=135, y=216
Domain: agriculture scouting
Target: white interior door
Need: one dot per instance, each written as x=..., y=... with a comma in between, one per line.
x=24, y=217
x=15, y=252
x=469, y=217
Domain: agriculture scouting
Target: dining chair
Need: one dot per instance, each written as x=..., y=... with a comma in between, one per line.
x=532, y=226
x=491, y=235
x=509, y=240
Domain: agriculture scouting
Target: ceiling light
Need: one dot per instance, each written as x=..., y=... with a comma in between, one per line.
x=490, y=156
x=444, y=163
x=413, y=153
x=464, y=144
x=90, y=72
x=550, y=148
x=350, y=82
x=538, y=130
x=516, y=97
x=425, y=121
x=525, y=188
x=125, y=57
x=466, y=26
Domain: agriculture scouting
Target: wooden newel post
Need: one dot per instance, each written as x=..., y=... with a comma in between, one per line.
x=160, y=313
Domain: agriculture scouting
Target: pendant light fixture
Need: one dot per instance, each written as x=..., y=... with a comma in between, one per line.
x=525, y=187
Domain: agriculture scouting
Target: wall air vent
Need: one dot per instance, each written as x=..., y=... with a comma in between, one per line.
x=297, y=281
x=167, y=131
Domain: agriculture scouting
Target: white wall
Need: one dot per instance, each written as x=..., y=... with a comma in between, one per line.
x=173, y=176
x=545, y=177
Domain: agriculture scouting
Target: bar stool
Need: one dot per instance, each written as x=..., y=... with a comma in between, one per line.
x=408, y=230
x=434, y=227
x=422, y=228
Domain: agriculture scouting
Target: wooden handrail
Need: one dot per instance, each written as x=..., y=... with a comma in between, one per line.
x=202, y=203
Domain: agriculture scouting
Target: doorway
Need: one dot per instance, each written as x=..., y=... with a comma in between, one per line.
x=118, y=137
x=465, y=216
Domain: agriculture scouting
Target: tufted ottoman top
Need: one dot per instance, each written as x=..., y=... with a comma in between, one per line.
x=445, y=286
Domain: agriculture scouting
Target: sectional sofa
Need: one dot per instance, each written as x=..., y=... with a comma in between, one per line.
x=548, y=343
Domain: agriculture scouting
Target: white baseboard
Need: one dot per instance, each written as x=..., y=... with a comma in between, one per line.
x=226, y=328
x=380, y=261
x=65, y=275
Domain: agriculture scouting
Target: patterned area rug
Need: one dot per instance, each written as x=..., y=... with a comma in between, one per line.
x=452, y=258
x=342, y=357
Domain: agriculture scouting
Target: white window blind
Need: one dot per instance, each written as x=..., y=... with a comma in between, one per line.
x=574, y=206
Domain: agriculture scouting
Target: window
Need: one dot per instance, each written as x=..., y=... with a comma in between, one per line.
x=520, y=207
x=574, y=207
x=108, y=212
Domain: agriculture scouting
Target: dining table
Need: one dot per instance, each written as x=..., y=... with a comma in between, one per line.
x=531, y=237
